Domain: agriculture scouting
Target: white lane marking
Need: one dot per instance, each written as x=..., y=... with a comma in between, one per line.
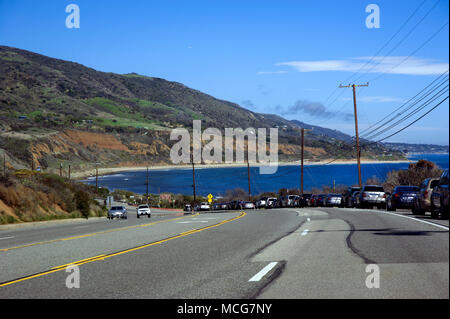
x=416, y=219
x=81, y=226
x=7, y=237
x=263, y=272
x=308, y=219
x=305, y=232
x=190, y=222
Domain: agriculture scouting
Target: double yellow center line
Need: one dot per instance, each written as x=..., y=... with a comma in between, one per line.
x=105, y=256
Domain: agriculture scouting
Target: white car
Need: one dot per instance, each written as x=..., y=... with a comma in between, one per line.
x=202, y=206
x=143, y=210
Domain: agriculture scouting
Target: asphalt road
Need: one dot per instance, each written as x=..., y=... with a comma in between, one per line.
x=279, y=253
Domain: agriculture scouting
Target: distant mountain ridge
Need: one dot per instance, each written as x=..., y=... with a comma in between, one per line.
x=42, y=97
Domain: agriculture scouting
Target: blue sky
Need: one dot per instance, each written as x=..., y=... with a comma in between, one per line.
x=281, y=57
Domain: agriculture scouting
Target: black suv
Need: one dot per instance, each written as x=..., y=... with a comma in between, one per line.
x=439, y=197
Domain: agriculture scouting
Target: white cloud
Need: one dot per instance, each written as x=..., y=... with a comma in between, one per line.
x=391, y=65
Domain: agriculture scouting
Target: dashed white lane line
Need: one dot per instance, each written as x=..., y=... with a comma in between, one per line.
x=308, y=219
x=7, y=237
x=263, y=272
x=305, y=232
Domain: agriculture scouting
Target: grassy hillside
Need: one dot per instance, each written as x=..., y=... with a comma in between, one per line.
x=31, y=196
x=56, y=112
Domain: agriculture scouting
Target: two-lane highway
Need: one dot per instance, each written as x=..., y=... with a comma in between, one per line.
x=278, y=253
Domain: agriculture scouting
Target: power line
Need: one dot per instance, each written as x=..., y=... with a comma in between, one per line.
x=404, y=104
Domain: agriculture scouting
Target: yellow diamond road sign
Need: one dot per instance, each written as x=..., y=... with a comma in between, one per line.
x=210, y=196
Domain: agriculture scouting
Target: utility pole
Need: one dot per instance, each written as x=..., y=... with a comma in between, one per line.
x=96, y=179
x=147, y=185
x=358, y=151
x=248, y=175
x=303, y=146
x=193, y=178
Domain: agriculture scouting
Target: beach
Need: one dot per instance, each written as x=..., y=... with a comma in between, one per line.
x=113, y=170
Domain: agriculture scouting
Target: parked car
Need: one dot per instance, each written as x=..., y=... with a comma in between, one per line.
x=313, y=201
x=261, y=203
x=117, y=212
x=354, y=200
x=320, y=200
x=422, y=202
x=143, y=210
x=202, y=206
x=187, y=208
x=248, y=205
x=439, y=197
x=372, y=195
x=305, y=200
x=224, y=206
x=291, y=200
x=347, y=196
x=332, y=200
x=402, y=197
x=272, y=202
x=236, y=204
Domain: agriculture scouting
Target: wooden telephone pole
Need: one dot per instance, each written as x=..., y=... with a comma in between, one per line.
x=358, y=151
x=248, y=176
x=303, y=146
x=193, y=178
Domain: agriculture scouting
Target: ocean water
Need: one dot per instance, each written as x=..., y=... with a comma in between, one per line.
x=218, y=180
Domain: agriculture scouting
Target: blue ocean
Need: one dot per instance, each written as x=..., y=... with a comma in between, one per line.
x=218, y=180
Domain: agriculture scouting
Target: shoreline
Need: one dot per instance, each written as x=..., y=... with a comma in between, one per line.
x=113, y=170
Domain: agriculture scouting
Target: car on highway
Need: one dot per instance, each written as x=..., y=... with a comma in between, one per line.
x=440, y=197
x=313, y=201
x=402, y=197
x=320, y=201
x=117, y=212
x=347, y=196
x=354, y=199
x=305, y=200
x=333, y=200
x=202, y=206
x=187, y=208
x=422, y=203
x=143, y=210
x=272, y=202
x=261, y=203
x=248, y=205
x=372, y=195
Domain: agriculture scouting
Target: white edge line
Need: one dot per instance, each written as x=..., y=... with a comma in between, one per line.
x=305, y=232
x=7, y=237
x=263, y=272
x=419, y=220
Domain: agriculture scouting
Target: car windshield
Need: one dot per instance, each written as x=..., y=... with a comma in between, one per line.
x=116, y=208
x=373, y=189
x=143, y=206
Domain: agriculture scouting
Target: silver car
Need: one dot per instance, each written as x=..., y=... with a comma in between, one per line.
x=372, y=195
x=333, y=200
x=117, y=212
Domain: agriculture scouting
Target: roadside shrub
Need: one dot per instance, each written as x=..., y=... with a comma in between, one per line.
x=83, y=200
